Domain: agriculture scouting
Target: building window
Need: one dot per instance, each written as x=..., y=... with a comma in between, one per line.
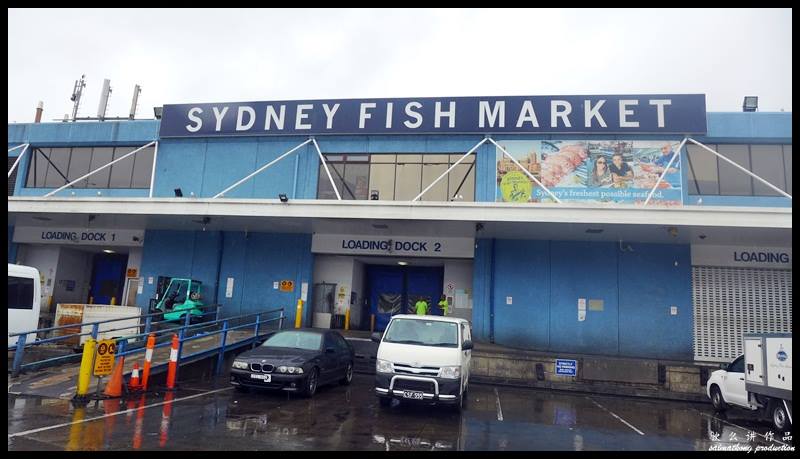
x=709, y=175
x=732, y=181
x=12, y=179
x=767, y=161
x=398, y=177
x=703, y=178
x=55, y=167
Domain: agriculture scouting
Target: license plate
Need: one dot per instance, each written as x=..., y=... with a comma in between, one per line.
x=265, y=378
x=412, y=394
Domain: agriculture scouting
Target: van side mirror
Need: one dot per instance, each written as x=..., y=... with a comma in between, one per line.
x=724, y=366
x=330, y=350
x=375, y=337
x=466, y=346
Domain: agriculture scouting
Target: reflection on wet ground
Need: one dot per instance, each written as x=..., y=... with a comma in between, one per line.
x=212, y=416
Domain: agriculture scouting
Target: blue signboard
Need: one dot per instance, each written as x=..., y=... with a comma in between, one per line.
x=566, y=367
x=610, y=114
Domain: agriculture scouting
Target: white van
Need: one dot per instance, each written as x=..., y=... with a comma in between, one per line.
x=24, y=298
x=423, y=358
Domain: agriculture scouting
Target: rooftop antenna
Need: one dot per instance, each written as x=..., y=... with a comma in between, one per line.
x=104, y=93
x=77, y=91
x=136, y=90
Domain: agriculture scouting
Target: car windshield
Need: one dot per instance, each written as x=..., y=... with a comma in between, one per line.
x=422, y=332
x=295, y=340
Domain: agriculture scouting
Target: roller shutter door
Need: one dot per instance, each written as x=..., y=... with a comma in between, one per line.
x=731, y=301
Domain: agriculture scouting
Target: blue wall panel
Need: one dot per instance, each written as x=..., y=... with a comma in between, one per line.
x=227, y=162
x=546, y=278
x=481, y=289
x=254, y=261
x=180, y=164
x=653, y=278
x=583, y=270
x=522, y=271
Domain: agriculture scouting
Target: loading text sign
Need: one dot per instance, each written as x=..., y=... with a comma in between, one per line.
x=392, y=246
x=653, y=113
x=742, y=256
x=78, y=236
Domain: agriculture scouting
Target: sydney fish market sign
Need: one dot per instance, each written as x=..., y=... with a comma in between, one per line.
x=612, y=114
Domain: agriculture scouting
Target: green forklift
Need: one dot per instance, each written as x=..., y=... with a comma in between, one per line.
x=181, y=297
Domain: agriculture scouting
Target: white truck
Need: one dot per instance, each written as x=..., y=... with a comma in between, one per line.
x=760, y=380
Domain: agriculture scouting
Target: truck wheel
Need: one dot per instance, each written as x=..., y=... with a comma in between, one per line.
x=717, y=400
x=779, y=417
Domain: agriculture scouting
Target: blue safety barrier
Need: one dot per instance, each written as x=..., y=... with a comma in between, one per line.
x=147, y=324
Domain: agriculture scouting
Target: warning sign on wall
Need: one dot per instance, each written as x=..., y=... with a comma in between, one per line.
x=287, y=286
x=104, y=359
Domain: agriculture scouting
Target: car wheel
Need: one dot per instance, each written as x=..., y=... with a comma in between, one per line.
x=717, y=400
x=348, y=375
x=779, y=417
x=385, y=402
x=312, y=380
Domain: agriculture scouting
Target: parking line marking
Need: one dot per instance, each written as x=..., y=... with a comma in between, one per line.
x=618, y=418
x=65, y=424
x=743, y=428
x=497, y=403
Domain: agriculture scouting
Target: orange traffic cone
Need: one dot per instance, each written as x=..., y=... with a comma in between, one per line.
x=134, y=383
x=114, y=386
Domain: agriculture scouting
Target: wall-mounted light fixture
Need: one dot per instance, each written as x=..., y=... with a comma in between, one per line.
x=283, y=197
x=178, y=193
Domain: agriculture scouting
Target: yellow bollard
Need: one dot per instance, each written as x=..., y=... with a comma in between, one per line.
x=113, y=301
x=347, y=319
x=298, y=318
x=372, y=323
x=85, y=372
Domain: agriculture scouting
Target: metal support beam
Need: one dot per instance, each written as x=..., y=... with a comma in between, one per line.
x=100, y=168
x=153, y=172
x=741, y=168
x=259, y=170
x=669, y=164
x=327, y=171
x=462, y=158
x=526, y=171
x=14, y=166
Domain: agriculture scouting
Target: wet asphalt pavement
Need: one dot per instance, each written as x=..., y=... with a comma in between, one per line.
x=212, y=416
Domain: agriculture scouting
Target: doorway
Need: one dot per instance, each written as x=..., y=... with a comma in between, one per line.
x=395, y=289
x=108, y=278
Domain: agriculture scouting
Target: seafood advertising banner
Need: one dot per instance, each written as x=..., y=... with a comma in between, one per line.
x=603, y=171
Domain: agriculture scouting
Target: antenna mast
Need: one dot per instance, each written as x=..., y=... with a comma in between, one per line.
x=77, y=91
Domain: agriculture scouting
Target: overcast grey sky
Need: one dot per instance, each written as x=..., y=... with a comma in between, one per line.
x=181, y=56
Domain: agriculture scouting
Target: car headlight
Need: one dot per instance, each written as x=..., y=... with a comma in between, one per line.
x=281, y=369
x=239, y=364
x=383, y=366
x=450, y=372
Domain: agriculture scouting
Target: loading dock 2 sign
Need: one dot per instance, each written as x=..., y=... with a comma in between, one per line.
x=566, y=367
x=104, y=359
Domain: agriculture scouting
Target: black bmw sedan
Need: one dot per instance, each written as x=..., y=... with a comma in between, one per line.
x=295, y=360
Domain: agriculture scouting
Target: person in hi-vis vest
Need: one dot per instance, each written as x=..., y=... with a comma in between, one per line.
x=444, y=306
x=421, y=307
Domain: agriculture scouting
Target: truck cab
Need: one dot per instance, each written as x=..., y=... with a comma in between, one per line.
x=423, y=358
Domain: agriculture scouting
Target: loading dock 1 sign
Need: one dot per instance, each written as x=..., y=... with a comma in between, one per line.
x=104, y=359
x=566, y=367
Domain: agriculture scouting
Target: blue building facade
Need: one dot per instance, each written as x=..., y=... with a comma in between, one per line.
x=560, y=279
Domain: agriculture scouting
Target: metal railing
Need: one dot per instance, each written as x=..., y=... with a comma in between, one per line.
x=148, y=326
